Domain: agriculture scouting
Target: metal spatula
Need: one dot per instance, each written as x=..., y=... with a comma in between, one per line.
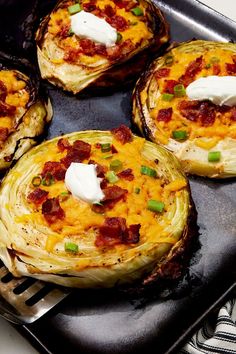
x=24, y=300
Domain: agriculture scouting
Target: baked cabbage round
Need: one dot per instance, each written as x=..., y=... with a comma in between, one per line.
x=24, y=109
x=46, y=233
x=75, y=62
x=200, y=133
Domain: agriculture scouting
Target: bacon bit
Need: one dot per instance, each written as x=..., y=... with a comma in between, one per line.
x=63, y=144
x=78, y=152
x=8, y=158
x=233, y=115
x=64, y=32
x=164, y=72
x=125, y=4
x=109, y=11
x=126, y=174
x=52, y=210
x=113, y=150
x=87, y=46
x=6, y=109
x=164, y=115
x=192, y=70
x=56, y=170
x=118, y=22
x=231, y=68
x=114, y=231
x=4, y=132
x=72, y=54
x=123, y=134
x=203, y=112
x=90, y=6
x=216, y=69
x=38, y=196
x=112, y=196
x=169, y=86
x=101, y=49
x=101, y=170
x=3, y=91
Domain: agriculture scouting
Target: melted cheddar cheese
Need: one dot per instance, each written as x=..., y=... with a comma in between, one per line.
x=214, y=62
x=80, y=220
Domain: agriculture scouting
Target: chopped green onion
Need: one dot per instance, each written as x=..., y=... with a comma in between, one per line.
x=71, y=247
x=145, y=170
x=119, y=37
x=134, y=23
x=48, y=180
x=214, y=156
x=105, y=147
x=64, y=196
x=70, y=32
x=36, y=181
x=111, y=177
x=214, y=60
x=179, y=90
x=179, y=134
x=169, y=60
x=155, y=206
x=137, y=11
x=106, y=157
x=208, y=66
x=167, y=97
x=73, y=9
x=137, y=190
x=115, y=165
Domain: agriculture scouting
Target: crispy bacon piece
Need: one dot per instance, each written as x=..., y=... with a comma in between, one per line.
x=52, y=210
x=101, y=170
x=122, y=134
x=233, y=114
x=216, y=69
x=63, y=144
x=204, y=112
x=114, y=231
x=3, y=91
x=72, y=54
x=112, y=196
x=192, y=70
x=163, y=72
x=126, y=174
x=231, y=68
x=6, y=109
x=90, y=6
x=56, y=170
x=164, y=115
x=169, y=86
x=4, y=132
x=119, y=22
x=64, y=31
x=78, y=152
x=38, y=196
x=87, y=46
x=109, y=11
x=126, y=4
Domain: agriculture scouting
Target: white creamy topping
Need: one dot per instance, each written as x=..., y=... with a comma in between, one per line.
x=82, y=181
x=221, y=90
x=86, y=25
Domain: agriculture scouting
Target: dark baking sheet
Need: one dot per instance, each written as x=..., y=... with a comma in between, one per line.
x=105, y=321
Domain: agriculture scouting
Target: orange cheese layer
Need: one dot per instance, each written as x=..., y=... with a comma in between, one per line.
x=17, y=96
x=223, y=125
x=80, y=219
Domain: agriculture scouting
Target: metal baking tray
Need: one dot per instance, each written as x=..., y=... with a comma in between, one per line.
x=106, y=322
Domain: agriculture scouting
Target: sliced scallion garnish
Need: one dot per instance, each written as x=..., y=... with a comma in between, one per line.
x=106, y=147
x=145, y=170
x=179, y=134
x=48, y=180
x=111, y=177
x=36, y=181
x=73, y=9
x=119, y=37
x=167, y=97
x=155, y=206
x=169, y=60
x=115, y=165
x=214, y=156
x=179, y=90
x=71, y=247
x=137, y=190
x=137, y=11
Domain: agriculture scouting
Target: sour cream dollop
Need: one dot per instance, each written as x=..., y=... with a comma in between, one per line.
x=221, y=90
x=82, y=181
x=86, y=25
